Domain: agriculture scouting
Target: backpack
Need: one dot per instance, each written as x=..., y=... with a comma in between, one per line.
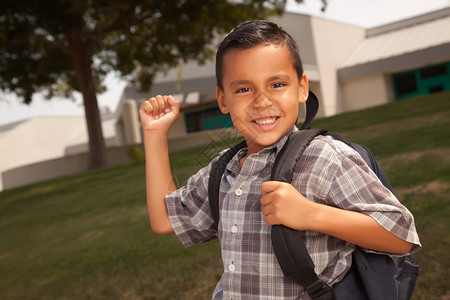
x=371, y=276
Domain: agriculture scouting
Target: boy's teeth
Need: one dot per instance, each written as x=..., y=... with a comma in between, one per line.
x=265, y=121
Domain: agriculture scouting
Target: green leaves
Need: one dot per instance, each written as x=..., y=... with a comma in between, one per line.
x=119, y=35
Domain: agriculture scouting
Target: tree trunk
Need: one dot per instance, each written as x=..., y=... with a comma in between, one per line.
x=82, y=61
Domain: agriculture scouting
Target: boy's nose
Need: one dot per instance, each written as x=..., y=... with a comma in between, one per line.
x=262, y=101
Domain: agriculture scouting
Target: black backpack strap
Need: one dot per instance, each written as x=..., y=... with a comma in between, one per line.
x=216, y=175
x=287, y=243
x=286, y=161
x=312, y=106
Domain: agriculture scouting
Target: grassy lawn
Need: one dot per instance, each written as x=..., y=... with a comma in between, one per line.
x=88, y=236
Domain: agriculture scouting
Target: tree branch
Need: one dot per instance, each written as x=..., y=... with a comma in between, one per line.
x=126, y=20
x=56, y=44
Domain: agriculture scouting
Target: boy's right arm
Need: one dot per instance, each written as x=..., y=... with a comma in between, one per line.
x=157, y=115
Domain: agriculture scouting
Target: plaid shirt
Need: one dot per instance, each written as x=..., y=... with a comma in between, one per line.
x=328, y=172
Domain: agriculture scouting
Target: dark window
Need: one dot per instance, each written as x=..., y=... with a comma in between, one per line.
x=194, y=122
x=406, y=83
x=433, y=71
x=213, y=113
x=422, y=81
x=436, y=89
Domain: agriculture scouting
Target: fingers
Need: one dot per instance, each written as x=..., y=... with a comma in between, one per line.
x=267, y=209
x=268, y=196
x=270, y=213
x=267, y=190
x=174, y=104
x=269, y=187
x=159, y=105
x=279, y=202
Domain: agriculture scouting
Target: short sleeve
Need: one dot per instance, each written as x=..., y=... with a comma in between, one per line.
x=357, y=188
x=189, y=210
x=339, y=177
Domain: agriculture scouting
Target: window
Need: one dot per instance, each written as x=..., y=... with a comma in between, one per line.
x=213, y=113
x=422, y=81
x=436, y=89
x=194, y=121
x=207, y=119
x=433, y=71
x=406, y=83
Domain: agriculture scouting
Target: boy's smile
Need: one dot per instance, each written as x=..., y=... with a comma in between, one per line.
x=261, y=91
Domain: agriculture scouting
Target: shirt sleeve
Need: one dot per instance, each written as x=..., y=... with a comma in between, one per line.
x=189, y=210
x=352, y=185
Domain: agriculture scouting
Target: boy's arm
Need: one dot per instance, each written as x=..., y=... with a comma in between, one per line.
x=302, y=214
x=157, y=116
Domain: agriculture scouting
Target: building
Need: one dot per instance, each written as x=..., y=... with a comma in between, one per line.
x=398, y=61
x=349, y=68
x=25, y=145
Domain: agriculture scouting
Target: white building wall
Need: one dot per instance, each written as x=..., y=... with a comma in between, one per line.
x=333, y=42
x=365, y=92
x=38, y=140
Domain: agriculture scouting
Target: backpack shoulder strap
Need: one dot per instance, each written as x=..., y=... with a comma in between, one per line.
x=287, y=243
x=312, y=107
x=286, y=161
x=216, y=175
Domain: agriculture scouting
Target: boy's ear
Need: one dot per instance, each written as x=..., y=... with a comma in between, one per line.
x=221, y=101
x=303, y=90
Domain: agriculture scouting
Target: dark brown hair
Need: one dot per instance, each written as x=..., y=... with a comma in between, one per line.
x=253, y=33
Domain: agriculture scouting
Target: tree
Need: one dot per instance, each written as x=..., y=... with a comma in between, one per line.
x=61, y=46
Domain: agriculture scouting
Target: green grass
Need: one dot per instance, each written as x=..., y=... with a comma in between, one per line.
x=88, y=236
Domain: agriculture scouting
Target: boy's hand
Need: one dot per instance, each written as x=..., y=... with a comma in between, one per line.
x=283, y=204
x=159, y=113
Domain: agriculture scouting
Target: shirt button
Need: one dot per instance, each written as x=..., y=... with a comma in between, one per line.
x=231, y=267
x=238, y=192
x=234, y=229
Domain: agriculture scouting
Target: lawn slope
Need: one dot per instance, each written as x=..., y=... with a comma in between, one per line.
x=88, y=236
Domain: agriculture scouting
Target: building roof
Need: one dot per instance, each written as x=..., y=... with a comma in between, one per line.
x=425, y=33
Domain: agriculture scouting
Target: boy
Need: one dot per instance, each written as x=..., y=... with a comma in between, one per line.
x=334, y=198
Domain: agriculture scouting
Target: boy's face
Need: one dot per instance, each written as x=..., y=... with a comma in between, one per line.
x=261, y=91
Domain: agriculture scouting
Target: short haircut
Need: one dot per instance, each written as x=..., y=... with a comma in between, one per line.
x=253, y=33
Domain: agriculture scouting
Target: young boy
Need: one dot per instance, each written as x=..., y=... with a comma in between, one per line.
x=334, y=199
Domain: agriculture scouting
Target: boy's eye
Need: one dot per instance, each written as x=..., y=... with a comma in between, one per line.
x=278, y=84
x=243, y=90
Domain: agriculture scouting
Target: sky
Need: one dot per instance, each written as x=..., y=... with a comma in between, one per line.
x=364, y=13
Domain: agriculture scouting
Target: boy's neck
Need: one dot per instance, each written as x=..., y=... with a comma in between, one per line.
x=253, y=149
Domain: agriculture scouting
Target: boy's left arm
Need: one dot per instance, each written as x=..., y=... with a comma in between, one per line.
x=283, y=204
